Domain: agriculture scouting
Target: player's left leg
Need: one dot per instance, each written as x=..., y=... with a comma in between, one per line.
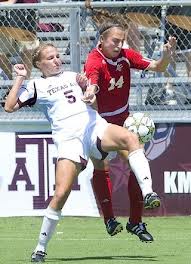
x=135, y=225
x=118, y=138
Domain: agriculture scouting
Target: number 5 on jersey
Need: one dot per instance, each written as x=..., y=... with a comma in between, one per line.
x=71, y=98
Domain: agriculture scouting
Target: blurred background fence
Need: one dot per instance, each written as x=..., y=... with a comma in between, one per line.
x=72, y=27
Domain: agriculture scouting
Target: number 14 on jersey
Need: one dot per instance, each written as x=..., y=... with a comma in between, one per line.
x=116, y=83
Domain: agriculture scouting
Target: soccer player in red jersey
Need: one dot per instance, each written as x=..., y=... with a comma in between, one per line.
x=108, y=67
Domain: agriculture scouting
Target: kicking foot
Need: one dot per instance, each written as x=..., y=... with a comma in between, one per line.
x=151, y=201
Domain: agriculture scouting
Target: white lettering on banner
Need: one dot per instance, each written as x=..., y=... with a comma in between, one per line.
x=28, y=178
x=177, y=182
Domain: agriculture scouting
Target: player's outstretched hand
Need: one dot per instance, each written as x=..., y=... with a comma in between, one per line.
x=20, y=70
x=82, y=80
x=170, y=47
x=89, y=97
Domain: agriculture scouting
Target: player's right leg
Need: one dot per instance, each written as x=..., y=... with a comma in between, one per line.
x=102, y=187
x=66, y=172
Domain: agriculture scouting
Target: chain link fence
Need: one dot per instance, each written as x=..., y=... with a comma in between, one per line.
x=73, y=28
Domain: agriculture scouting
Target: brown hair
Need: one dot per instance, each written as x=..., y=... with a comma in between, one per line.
x=38, y=51
x=105, y=27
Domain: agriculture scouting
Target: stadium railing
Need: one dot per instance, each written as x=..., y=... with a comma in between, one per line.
x=80, y=35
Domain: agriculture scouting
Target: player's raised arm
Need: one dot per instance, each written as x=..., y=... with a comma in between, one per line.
x=168, y=51
x=11, y=103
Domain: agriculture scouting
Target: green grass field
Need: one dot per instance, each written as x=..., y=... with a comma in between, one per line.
x=83, y=240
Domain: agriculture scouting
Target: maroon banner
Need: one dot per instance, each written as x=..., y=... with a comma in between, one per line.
x=170, y=161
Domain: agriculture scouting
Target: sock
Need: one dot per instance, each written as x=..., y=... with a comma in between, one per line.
x=102, y=186
x=140, y=166
x=135, y=200
x=49, y=223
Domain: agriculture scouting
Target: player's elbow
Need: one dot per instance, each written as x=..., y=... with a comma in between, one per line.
x=157, y=66
x=161, y=68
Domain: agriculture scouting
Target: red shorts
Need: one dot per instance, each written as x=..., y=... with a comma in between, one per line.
x=117, y=119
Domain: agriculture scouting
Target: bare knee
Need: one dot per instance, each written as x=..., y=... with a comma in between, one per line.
x=131, y=141
x=60, y=196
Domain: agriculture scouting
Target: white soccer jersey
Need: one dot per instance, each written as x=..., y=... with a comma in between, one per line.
x=75, y=125
x=59, y=97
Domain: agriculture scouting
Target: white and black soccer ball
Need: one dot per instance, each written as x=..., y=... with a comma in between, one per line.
x=141, y=124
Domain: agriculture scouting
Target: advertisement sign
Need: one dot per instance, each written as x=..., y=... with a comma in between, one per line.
x=170, y=162
x=27, y=178
x=27, y=175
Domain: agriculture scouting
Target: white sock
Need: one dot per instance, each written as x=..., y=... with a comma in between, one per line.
x=140, y=166
x=49, y=223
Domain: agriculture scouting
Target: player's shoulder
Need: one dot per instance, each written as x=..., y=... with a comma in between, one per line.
x=30, y=84
x=127, y=52
x=94, y=59
x=68, y=74
x=94, y=53
x=35, y=83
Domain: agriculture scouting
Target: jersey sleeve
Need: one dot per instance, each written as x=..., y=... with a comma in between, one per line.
x=27, y=94
x=137, y=61
x=92, y=70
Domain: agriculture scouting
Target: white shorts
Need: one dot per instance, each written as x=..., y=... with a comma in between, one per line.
x=86, y=145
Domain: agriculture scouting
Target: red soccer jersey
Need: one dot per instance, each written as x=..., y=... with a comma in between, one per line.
x=113, y=79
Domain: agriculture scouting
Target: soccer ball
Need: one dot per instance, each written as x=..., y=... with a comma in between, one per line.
x=142, y=125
